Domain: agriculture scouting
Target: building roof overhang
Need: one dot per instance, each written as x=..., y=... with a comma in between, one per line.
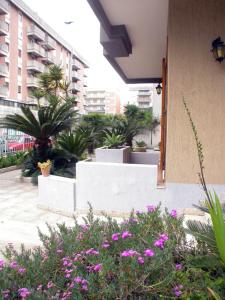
x=134, y=37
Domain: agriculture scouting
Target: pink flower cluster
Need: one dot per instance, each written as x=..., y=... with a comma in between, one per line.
x=173, y=213
x=161, y=241
x=151, y=208
x=94, y=268
x=2, y=264
x=124, y=235
x=178, y=267
x=177, y=290
x=140, y=259
x=129, y=253
x=91, y=251
x=24, y=293
x=5, y=294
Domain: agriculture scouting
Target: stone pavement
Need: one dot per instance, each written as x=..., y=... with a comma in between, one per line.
x=19, y=215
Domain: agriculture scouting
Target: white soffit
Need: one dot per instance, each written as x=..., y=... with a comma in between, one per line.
x=146, y=23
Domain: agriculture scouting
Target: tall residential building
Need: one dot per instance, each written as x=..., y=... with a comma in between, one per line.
x=102, y=101
x=145, y=97
x=28, y=46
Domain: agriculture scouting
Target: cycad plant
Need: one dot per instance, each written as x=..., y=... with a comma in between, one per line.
x=213, y=236
x=113, y=141
x=49, y=122
x=73, y=143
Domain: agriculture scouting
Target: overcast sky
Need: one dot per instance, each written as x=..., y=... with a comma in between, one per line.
x=83, y=35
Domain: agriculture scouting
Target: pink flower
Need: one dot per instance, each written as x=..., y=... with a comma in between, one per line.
x=149, y=252
x=140, y=260
x=164, y=237
x=173, y=213
x=92, y=251
x=129, y=253
x=5, y=293
x=50, y=285
x=85, y=227
x=178, y=267
x=80, y=236
x=115, y=236
x=177, y=290
x=126, y=234
x=159, y=243
x=2, y=264
x=24, y=293
x=39, y=288
x=59, y=251
x=78, y=279
x=13, y=265
x=105, y=245
x=151, y=208
x=22, y=270
x=139, y=212
x=97, y=268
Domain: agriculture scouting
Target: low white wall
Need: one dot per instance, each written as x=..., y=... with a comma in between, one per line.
x=57, y=193
x=146, y=137
x=148, y=158
x=113, y=186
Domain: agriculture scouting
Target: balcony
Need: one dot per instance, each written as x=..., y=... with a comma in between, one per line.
x=4, y=28
x=85, y=82
x=49, y=43
x=35, y=50
x=4, y=92
x=4, y=49
x=4, y=71
x=35, y=66
x=76, y=76
x=32, y=82
x=75, y=87
x=76, y=64
x=48, y=58
x=36, y=33
x=4, y=7
x=144, y=93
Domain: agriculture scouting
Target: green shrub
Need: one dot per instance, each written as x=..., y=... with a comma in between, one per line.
x=144, y=257
x=14, y=159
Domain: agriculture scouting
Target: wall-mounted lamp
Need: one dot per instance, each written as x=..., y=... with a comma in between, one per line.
x=218, y=49
x=158, y=89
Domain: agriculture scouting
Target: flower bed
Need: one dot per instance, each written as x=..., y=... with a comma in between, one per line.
x=144, y=257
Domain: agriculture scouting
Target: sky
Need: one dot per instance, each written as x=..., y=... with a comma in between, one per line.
x=83, y=35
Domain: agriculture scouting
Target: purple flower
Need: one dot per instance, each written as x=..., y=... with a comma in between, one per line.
x=92, y=251
x=97, y=268
x=128, y=253
x=50, y=285
x=164, y=237
x=178, y=267
x=105, y=245
x=13, y=265
x=139, y=212
x=5, y=293
x=126, y=234
x=173, y=213
x=2, y=263
x=39, y=288
x=77, y=279
x=177, y=290
x=115, y=236
x=159, y=243
x=149, y=252
x=22, y=270
x=140, y=260
x=151, y=208
x=24, y=293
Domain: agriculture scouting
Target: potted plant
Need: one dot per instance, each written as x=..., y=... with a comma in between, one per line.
x=45, y=167
x=140, y=146
x=113, y=149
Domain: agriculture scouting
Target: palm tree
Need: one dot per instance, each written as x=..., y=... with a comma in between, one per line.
x=50, y=81
x=38, y=94
x=50, y=121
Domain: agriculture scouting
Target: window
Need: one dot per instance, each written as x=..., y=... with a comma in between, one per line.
x=19, y=89
x=19, y=71
x=20, y=17
x=20, y=53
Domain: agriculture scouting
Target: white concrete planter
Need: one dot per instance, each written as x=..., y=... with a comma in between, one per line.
x=113, y=155
x=57, y=194
x=146, y=158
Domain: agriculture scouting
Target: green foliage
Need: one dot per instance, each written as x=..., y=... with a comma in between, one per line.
x=212, y=203
x=141, y=143
x=14, y=159
x=86, y=262
x=73, y=143
x=113, y=141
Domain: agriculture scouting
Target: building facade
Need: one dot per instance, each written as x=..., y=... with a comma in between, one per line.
x=28, y=46
x=102, y=101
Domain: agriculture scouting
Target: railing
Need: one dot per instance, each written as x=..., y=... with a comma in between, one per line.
x=33, y=30
x=35, y=65
x=4, y=6
x=77, y=64
x=3, y=91
x=4, y=48
x=32, y=81
x=49, y=57
x=75, y=86
x=33, y=47
x=49, y=42
x=4, y=71
x=14, y=143
x=4, y=27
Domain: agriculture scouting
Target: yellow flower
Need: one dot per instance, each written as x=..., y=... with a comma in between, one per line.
x=44, y=165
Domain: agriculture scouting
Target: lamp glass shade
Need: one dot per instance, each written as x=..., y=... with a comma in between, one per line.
x=158, y=89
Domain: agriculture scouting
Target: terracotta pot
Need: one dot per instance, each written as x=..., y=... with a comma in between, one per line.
x=140, y=149
x=46, y=171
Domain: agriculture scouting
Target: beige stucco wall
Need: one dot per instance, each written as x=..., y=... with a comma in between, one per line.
x=194, y=74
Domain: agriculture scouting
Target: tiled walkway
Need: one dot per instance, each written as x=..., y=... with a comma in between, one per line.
x=19, y=215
